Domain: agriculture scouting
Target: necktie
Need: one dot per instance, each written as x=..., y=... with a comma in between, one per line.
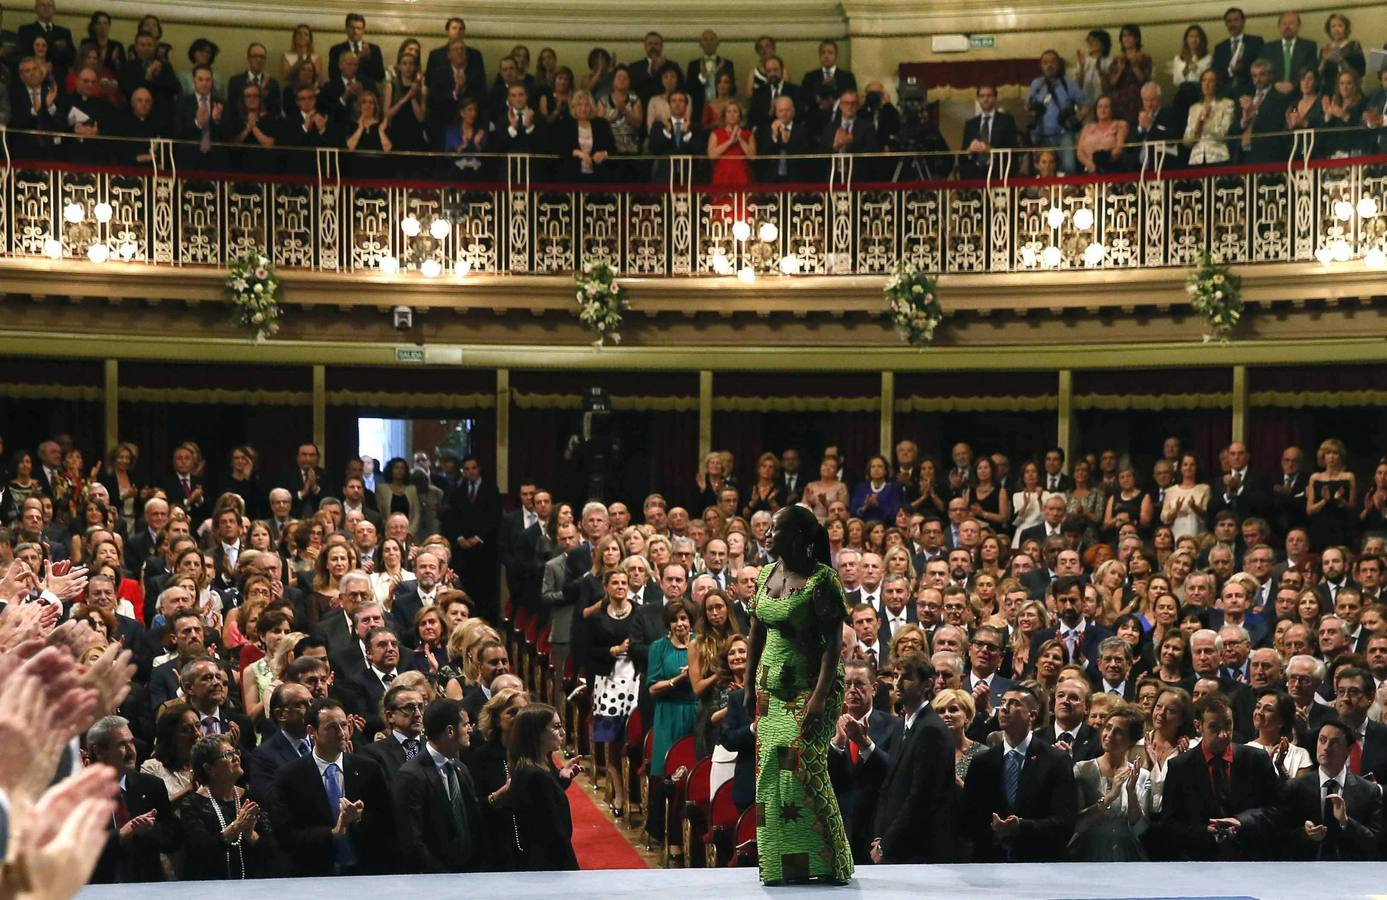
x=122, y=813
x=1115, y=692
x=1054, y=482
x=987, y=129
x=342, y=851
x=37, y=96
x=356, y=48
x=187, y=486
x=303, y=747
x=210, y=725
x=205, y=145
x=387, y=678
x=1330, y=787
x=1355, y=757
x=472, y=492
x=872, y=657
x=1066, y=738
x=1011, y=778
x=1218, y=774
x=1286, y=47
x=1071, y=640
x=853, y=753
x=457, y=806
x=411, y=748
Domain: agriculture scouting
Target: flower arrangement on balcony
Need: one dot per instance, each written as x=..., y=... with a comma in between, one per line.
x=914, y=301
x=1216, y=294
x=600, y=301
x=254, y=286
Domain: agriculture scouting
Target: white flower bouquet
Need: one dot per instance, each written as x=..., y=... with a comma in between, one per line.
x=254, y=289
x=600, y=301
x=1216, y=294
x=913, y=298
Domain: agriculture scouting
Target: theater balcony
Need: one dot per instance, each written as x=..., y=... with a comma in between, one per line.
x=1050, y=267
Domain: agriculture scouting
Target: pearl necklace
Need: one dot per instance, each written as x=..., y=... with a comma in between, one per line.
x=221, y=821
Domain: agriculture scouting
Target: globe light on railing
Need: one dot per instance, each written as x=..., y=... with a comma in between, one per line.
x=741, y=231
x=1028, y=257
x=388, y=265
x=440, y=229
x=721, y=264
x=1095, y=253
x=747, y=275
x=431, y=268
x=1375, y=259
x=1083, y=218
x=98, y=253
x=1340, y=251
x=789, y=265
x=74, y=213
x=1055, y=217
x=1367, y=207
x=768, y=232
x=1051, y=257
x=128, y=251
x=410, y=226
x=1343, y=210
x=53, y=248
x=462, y=269
x=1324, y=255
x=103, y=212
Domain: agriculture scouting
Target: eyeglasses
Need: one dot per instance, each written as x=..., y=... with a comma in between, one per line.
x=409, y=707
x=1349, y=692
x=231, y=754
x=989, y=647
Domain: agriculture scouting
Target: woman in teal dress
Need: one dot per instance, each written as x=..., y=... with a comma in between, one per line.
x=797, y=618
x=675, y=705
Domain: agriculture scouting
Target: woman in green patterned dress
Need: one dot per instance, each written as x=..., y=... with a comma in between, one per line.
x=796, y=630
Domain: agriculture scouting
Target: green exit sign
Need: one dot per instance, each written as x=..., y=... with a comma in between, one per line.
x=982, y=41
x=409, y=354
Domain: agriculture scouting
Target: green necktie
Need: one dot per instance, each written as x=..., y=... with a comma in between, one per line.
x=1286, y=48
x=458, y=807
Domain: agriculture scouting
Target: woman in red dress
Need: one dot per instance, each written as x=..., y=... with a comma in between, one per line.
x=730, y=146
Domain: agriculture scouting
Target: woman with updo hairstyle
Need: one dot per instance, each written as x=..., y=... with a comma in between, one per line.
x=796, y=624
x=226, y=835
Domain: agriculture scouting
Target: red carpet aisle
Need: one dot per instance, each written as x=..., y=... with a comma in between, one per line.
x=596, y=840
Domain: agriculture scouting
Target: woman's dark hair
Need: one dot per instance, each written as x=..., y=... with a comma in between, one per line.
x=1135, y=32
x=526, y=735
x=390, y=470
x=595, y=54
x=1133, y=719
x=1285, y=709
x=678, y=76
x=1202, y=49
x=673, y=608
x=1104, y=41
x=1190, y=612
x=166, y=734
x=1177, y=635
x=814, y=537
x=1307, y=70
x=207, y=752
x=96, y=16
x=203, y=44
x=17, y=457
x=1132, y=619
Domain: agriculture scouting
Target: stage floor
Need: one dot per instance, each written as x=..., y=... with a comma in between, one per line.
x=1109, y=881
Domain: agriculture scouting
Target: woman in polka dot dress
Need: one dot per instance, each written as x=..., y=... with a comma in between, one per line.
x=605, y=636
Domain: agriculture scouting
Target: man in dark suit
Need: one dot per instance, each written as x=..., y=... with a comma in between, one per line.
x=1288, y=496
x=1353, y=697
x=1290, y=54
x=702, y=74
x=984, y=658
x=61, y=50
x=306, y=481
x=144, y=69
x=1052, y=512
x=1242, y=489
x=1261, y=121
x=372, y=63
x=338, y=96
x=828, y=73
x=1019, y=796
x=472, y=61
x=256, y=58
x=403, y=741
x=512, y=546
x=1154, y=134
x=991, y=129
x=848, y=132
x=1233, y=56
x=188, y=633
x=860, y=756
x=383, y=661
x=646, y=74
x=309, y=130
x=204, y=688
x=101, y=593
x=89, y=115
x=675, y=135
x=412, y=596
x=436, y=803
x=762, y=109
x=36, y=105
x=492, y=662
x=914, y=809
x=1334, y=569
x=472, y=520
x=1219, y=797
x=332, y=811
x=1081, y=636
x=288, y=710
x=1332, y=813
x=198, y=119
x=1068, y=731
x=143, y=825
x=1111, y=671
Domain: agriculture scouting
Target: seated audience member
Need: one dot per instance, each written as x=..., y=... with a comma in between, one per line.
x=1057, y=106
x=780, y=141
x=307, y=128
x=144, y=825
x=1102, y=139
x=89, y=115
x=990, y=129
x=440, y=822
x=288, y=710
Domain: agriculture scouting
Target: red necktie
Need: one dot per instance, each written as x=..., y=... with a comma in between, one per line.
x=122, y=813
x=1355, y=758
x=853, y=752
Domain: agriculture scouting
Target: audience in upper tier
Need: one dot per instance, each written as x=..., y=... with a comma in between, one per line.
x=1230, y=103
x=1190, y=666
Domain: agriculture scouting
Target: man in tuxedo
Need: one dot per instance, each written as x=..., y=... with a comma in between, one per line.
x=332, y=811
x=827, y=74
x=860, y=755
x=1234, y=55
x=1219, y=796
x=916, y=801
x=1081, y=636
x=404, y=720
x=372, y=63
x=1069, y=731
x=991, y=129
x=306, y=481
x=61, y=50
x=143, y=825
x=1241, y=489
x=256, y=58
x=1261, y=124
x=441, y=825
x=674, y=135
x=781, y=140
x=1019, y=796
x=703, y=73
x=1155, y=134
x=472, y=521
x=1353, y=697
x=1290, y=54
x=848, y=132
x=288, y=710
x=1332, y=813
x=338, y=96
x=762, y=110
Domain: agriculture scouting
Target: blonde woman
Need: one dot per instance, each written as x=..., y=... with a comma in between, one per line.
x=1111, y=580
x=1330, y=498
x=898, y=562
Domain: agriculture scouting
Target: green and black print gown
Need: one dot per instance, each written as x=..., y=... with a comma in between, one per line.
x=799, y=830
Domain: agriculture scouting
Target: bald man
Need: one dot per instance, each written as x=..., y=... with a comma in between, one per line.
x=1241, y=488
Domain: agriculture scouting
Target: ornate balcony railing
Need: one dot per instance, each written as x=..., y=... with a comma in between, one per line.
x=1300, y=211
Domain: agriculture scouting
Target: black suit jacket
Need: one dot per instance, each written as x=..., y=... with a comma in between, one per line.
x=403, y=610
x=858, y=786
x=1269, y=120
x=563, y=141
x=292, y=479
x=1357, y=839
x=61, y=51
x=138, y=860
x=372, y=64
x=1223, y=58
x=864, y=136
x=273, y=754
x=1093, y=636
x=761, y=112
x=475, y=66
x=1254, y=499
x=843, y=80
x=173, y=486
x=1047, y=804
x=694, y=81
x=1290, y=504
x=1374, y=760
x=428, y=836
x=1164, y=130
x=736, y=735
x=303, y=822
x=1303, y=53
x=480, y=518
x=1004, y=137
x=770, y=153
x=914, y=811
x=1189, y=803
x=1084, y=746
x=389, y=754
